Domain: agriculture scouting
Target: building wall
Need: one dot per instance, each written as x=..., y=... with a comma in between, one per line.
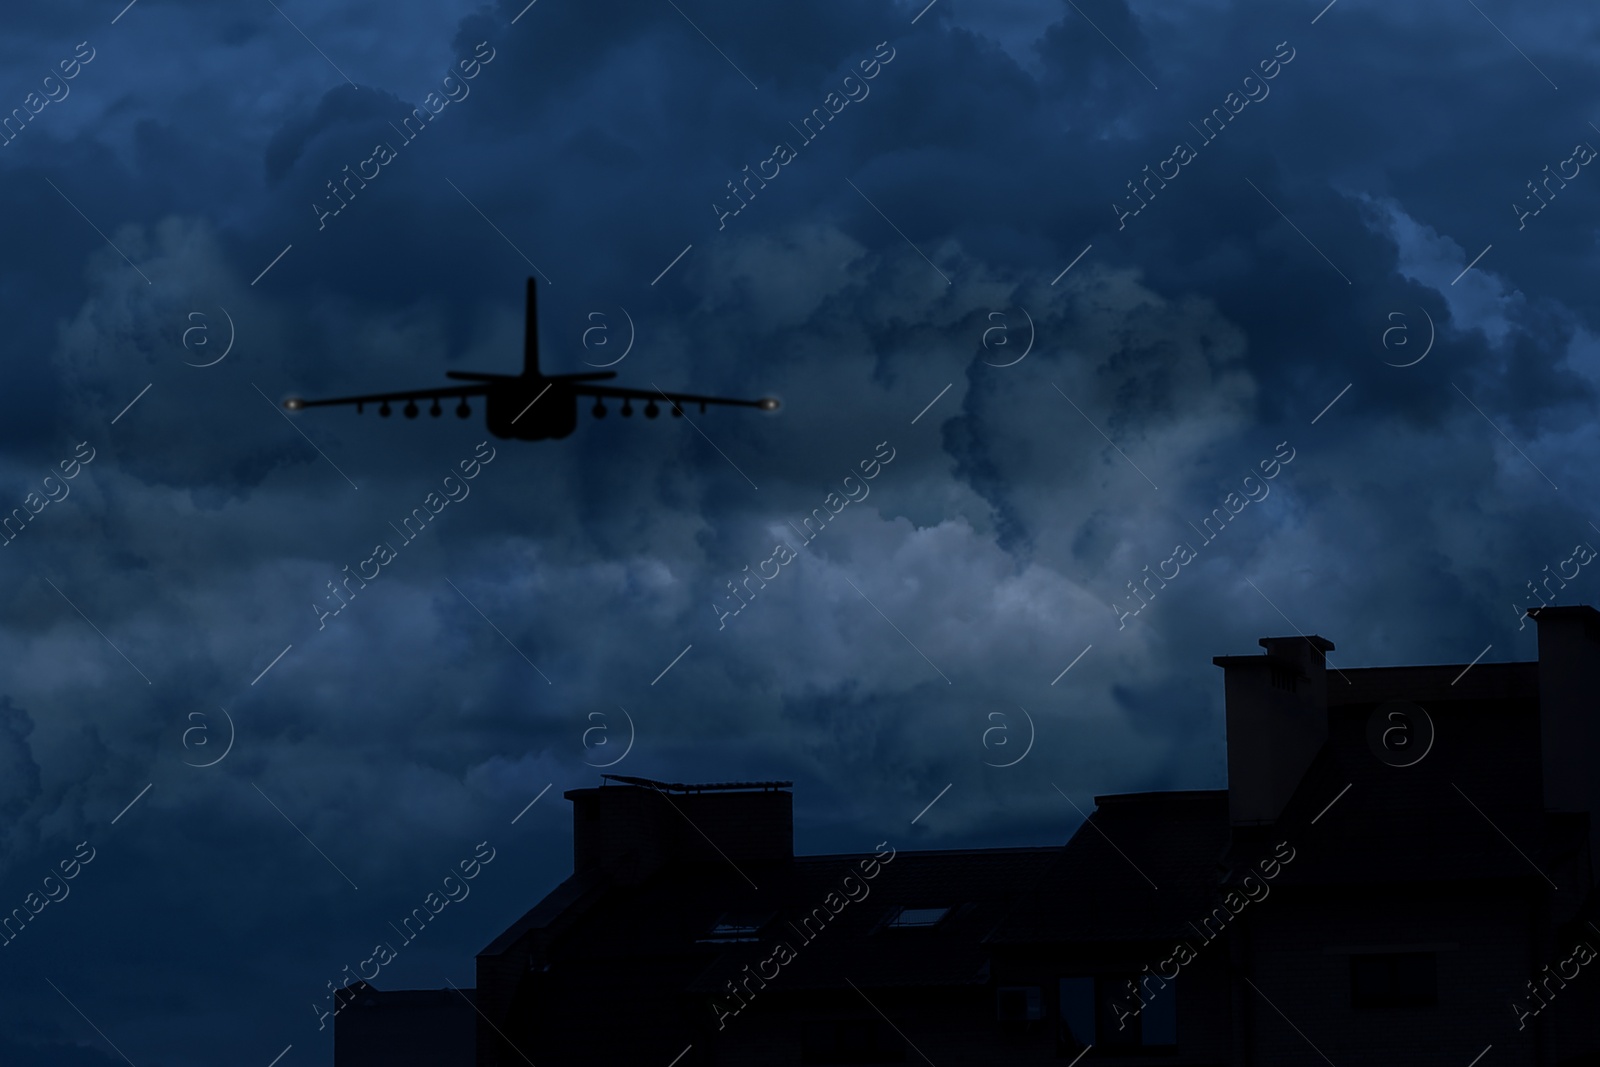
x=1200, y=993
x=954, y=1027
x=1298, y=954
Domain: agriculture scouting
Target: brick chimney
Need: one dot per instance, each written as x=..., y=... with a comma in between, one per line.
x=1569, y=702
x=632, y=827
x=1277, y=721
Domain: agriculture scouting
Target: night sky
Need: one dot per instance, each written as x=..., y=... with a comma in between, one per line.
x=1062, y=277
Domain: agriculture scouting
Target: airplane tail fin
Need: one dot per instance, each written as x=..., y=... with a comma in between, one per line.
x=530, y=337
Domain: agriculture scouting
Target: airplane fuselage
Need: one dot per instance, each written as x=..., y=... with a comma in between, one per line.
x=532, y=410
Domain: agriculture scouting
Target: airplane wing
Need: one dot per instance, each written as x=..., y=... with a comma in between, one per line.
x=294, y=403
x=675, y=400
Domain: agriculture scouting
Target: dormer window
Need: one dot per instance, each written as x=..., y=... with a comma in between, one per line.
x=918, y=917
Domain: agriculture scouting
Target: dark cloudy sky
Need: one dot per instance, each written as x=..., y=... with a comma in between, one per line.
x=900, y=259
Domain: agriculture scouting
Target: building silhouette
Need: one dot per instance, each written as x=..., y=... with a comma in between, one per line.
x=1400, y=870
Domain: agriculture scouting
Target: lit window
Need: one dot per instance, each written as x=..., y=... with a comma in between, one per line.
x=918, y=916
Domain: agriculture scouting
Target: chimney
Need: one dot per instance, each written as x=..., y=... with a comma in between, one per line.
x=631, y=829
x=1569, y=701
x=1277, y=721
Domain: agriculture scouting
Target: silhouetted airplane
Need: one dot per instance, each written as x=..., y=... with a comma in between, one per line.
x=533, y=406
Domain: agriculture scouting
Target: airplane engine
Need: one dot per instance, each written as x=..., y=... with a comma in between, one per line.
x=554, y=414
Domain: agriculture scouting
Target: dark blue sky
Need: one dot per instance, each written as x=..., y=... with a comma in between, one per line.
x=885, y=282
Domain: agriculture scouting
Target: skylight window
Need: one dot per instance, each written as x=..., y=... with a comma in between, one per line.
x=918, y=917
x=737, y=926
